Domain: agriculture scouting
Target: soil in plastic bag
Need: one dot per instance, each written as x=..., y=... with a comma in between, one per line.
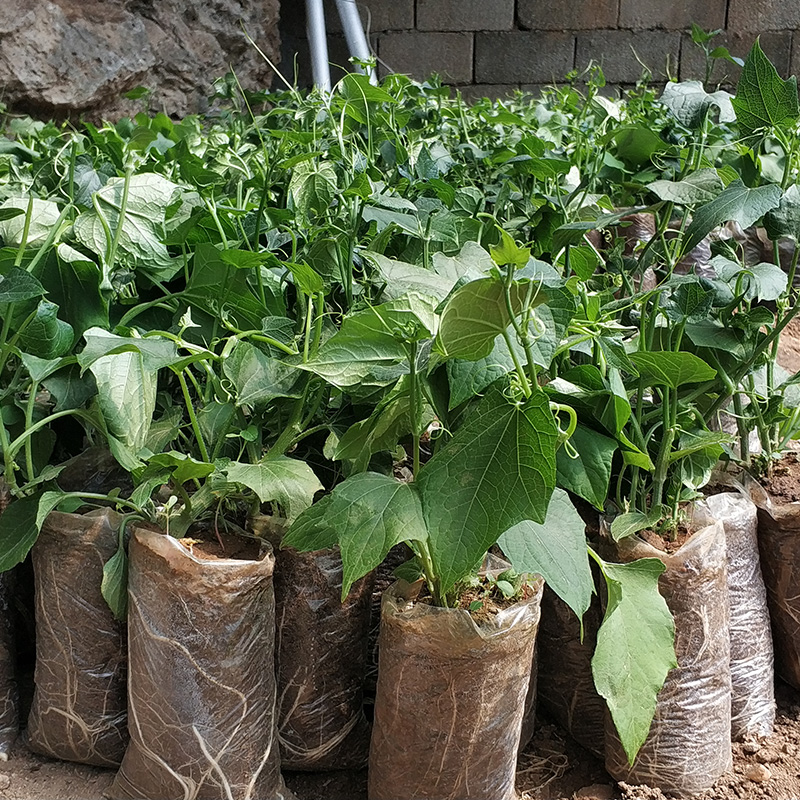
x=752, y=661
x=689, y=744
x=320, y=657
x=201, y=631
x=450, y=701
x=779, y=546
x=79, y=704
x=566, y=684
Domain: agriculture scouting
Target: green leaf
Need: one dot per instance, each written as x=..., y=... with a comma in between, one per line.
x=257, y=378
x=70, y=388
x=476, y=314
x=305, y=278
x=40, y=368
x=556, y=550
x=311, y=530
x=589, y=474
x=114, y=586
x=636, y=144
x=312, y=187
x=44, y=216
x=498, y=470
x=468, y=378
x=764, y=100
x=509, y=252
x=697, y=187
x=143, y=233
x=689, y=103
x=20, y=524
x=633, y=522
x=182, y=468
x=671, y=369
x=156, y=352
x=280, y=479
x=635, y=648
x=46, y=336
x=17, y=285
x=736, y=203
x=783, y=222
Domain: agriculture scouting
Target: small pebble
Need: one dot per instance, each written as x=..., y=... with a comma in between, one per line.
x=758, y=773
x=597, y=791
x=751, y=747
x=5, y=782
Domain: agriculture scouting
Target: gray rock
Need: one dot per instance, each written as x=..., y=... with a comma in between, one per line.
x=71, y=57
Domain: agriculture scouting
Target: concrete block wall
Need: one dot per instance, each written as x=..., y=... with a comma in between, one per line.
x=492, y=47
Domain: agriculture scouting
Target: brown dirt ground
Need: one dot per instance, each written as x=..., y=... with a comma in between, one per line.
x=552, y=768
x=789, y=347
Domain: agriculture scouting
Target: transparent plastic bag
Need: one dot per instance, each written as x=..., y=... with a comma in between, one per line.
x=752, y=660
x=779, y=547
x=689, y=744
x=450, y=700
x=321, y=660
x=566, y=684
x=79, y=710
x=202, y=683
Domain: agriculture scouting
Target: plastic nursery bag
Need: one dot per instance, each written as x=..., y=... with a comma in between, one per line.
x=201, y=678
x=450, y=699
x=689, y=744
x=79, y=710
x=752, y=661
x=566, y=683
x=9, y=696
x=321, y=660
x=778, y=543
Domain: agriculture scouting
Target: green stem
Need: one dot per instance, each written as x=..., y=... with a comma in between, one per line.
x=26, y=229
x=123, y=210
x=29, y=409
x=192, y=416
x=413, y=408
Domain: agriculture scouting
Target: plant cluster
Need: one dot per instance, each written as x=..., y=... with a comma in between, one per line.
x=428, y=317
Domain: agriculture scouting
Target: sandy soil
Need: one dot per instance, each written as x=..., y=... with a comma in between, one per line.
x=552, y=768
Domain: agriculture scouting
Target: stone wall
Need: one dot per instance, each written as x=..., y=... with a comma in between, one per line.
x=491, y=47
x=73, y=57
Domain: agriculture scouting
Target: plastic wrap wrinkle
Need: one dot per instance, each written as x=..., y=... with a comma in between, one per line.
x=566, y=684
x=778, y=538
x=202, y=684
x=689, y=743
x=79, y=710
x=752, y=660
x=450, y=700
x=9, y=695
x=321, y=658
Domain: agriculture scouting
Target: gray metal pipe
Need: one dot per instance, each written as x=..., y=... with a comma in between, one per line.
x=354, y=34
x=318, y=44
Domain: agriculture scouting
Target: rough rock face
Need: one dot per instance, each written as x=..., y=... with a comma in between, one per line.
x=67, y=57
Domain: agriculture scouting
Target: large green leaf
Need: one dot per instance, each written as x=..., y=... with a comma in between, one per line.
x=689, y=102
x=312, y=187
x=311, y=530
x=142, y=237
x=498, y=470
x=468, y=378
x=763, y=99
x=17, y=285
x=556, y=550
x=697, y=187
x=289, y=482
x=672, y=369
x=476, y=314
x=588, y=473
x=635, y=648
x=46, y=336
x=156, y=352
x=114, y=586
x=257, y=378
x=181, y=467
x=784, y=221
x=737, y=203
x=44, y=215
x=20, y=524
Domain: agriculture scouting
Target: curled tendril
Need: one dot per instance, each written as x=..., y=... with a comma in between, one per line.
x=564, y=434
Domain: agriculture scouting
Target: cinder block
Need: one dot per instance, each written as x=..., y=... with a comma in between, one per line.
x=777, y=46
x=676, y=15
x=567, y=15
x=465, y=15
x=620, y=53
x=377, y=16
x=763, y=15
x=420, y=54
x=492, y=91
x=523, y=56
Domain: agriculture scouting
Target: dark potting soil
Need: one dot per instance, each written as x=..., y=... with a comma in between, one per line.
x=665, y=543
x=783, y=484
x=222, y=548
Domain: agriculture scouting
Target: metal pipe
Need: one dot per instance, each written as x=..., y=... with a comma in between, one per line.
x=318, y=44
x=355, y=36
